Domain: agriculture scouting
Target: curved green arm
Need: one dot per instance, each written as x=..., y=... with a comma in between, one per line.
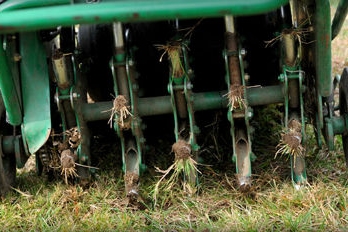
x=340, y=16
x=21, y=4
x=129, y=11
x=9, y=92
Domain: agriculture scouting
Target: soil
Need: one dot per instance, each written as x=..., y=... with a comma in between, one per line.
x=67, y=159
x=292, y=139
x=295, y=125
x=131, y=181
x=181, y=149
x=236, y=96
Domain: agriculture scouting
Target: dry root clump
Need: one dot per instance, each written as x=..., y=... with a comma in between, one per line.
x=67, y=160
x=298, y=34
x=121, y=109
x=61, y=153
x=295, y=125
x=74, y=137
x=68, y=156
x=184, y=166
x=236, y=97
x=291, y=141
x=174, y=51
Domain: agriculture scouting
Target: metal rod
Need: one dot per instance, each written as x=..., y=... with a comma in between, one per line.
x=265, y=95
x=202, y=101
x=289, y=48
x=118, y=35
x=232, y=49
x=60, y=65
x=129, y=11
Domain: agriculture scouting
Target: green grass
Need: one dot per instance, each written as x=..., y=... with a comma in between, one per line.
x=273, y=204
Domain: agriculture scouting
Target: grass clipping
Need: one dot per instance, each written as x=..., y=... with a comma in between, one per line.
x=291, y=141
x=184, y=166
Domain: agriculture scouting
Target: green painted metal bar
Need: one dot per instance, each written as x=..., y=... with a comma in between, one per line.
x=129, y=11
x=323, y=47
x=340, y=16
x=265, y=95
x=202, y=101
x=21, y=4
x=209, y=101
x=9, y=92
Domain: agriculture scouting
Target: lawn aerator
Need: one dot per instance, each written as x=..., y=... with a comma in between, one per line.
x=67, y=63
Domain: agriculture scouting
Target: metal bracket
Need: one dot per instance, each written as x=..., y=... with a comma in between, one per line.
x=239, y=118
x=132, y=142
x=298, y=167
x=178, y=86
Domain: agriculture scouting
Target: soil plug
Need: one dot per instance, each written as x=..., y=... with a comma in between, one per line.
x=120, y=108
x=291, y=141
x=67, y=160
x=184, y=166
x=236, y=97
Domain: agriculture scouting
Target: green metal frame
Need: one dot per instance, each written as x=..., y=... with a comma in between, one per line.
x=203, y=101
x=22, y=4
x=298, y=175
x=122, y=59
x=244, y=162
x=127, y=11
x=182, y=86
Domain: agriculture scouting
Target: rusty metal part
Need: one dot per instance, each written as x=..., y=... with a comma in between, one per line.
x=232, y=52
x=180, y=102
x=243, y=162
x=61, y=70
x=294, y=93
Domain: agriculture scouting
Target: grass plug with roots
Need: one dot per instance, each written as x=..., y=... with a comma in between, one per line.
x=236, y=97
x=291, y=141
x=184, y=166
x=174, y=51
x=121, y=109
x=67, y=160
